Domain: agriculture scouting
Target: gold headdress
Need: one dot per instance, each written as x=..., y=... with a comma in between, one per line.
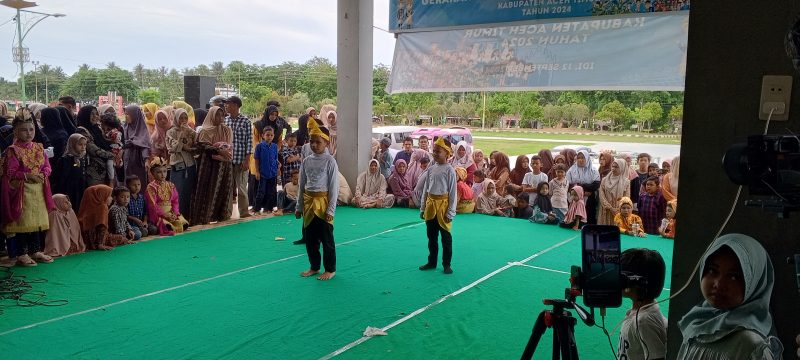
x=313, y=129
x=440, y=143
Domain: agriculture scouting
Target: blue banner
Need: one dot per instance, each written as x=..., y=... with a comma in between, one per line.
x=415, y=15
x=609, y=53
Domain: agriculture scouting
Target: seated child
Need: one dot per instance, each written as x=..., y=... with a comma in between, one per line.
x=667, y=228
x=162, y=201
x=93, y=218
x=489, y=201
x=734, y=321
x=137, y=208
x=542, y=207
x=643, y=334
x=118, y=215
x=465, y=204
x=576, y=213
x=64, y=236
x=627, y=222
x=287, y=198
x=478, y=186
x=509, y=201
x=521, y=209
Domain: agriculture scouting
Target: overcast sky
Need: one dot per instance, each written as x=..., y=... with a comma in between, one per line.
x=181, y=33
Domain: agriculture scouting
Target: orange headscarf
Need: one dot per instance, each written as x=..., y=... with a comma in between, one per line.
x=94, y=207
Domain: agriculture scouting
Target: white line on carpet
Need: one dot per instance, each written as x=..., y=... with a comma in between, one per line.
x=192, y=283
x=442, y=299
x=547, y=269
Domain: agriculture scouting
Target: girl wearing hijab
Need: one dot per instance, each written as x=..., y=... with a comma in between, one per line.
x=669, y=185
x=400, y=184
x=177, y=104
x=500, y=172
x=582, y=173
x=182, y=167
x=417, y=165
x=331, y=118
x=136, y=147
x=53, y=128
x=547, y=161
x=489, y=202
x=734, y=321
x=214, y=170
x=93, y=218
x=606, y=161
x=569, y=157
x=463, y=158
x=70, y=171
x=107, y=109
x=371, y=189
x=612, y=188
x=466, y=199
x=480, y=160
x=164, y=119
x=101, y=159
x=149, y=111
x=64, y=236
x=576, y=213
x=517, y=175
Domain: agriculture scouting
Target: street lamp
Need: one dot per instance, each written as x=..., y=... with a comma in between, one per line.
x=21, y=56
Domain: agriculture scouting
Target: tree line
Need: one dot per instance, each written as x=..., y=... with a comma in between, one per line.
x=313, y=83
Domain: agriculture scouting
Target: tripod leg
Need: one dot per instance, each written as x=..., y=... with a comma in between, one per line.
x=536, y=334
x=569, y=348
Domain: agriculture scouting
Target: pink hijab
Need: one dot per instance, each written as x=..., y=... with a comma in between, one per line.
x=64, y=236
x=159, y=137
x=576, y=207
x=414, y=167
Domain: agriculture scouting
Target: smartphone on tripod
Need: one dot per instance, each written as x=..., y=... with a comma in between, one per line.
x=600, y=253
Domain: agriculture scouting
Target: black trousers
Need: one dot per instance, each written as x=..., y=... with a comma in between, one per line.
x=433, y=243
x=25, y=243
x=320, y=231
x=252, y=189
x=267, y=195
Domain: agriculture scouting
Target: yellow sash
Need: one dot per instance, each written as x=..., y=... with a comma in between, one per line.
x=436, y=207
x=314, y=204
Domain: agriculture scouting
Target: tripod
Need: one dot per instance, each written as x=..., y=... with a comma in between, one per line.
x=563, y=324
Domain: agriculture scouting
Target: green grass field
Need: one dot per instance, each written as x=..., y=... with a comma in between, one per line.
x=587, y=137
x=515, y=147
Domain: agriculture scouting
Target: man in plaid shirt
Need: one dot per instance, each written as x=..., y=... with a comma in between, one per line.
x=652, y=206
x=242, y=150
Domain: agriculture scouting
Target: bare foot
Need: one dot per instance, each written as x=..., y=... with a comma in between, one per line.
x=104, y=247
x=309, y=272
x=326, y=276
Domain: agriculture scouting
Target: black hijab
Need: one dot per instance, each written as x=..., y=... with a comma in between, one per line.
x=67, y=119
x=85, y=121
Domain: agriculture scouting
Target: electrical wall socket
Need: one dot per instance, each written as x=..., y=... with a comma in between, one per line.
x=776, y=93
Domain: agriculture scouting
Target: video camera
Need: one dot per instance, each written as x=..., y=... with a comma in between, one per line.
x=769, y=165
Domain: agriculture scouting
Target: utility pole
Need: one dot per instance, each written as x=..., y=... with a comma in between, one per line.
x=36, y=79
x=483, y=117
x=284, y=84
x=46, y=93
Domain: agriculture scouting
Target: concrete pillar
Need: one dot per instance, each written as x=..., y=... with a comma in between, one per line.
x=354, y=86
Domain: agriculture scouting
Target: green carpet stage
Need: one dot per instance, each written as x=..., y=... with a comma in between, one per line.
x=234, y=292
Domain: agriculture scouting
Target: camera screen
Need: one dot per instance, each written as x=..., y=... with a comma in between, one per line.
x=600, y=253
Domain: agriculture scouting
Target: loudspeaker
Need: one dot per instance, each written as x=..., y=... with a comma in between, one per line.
x=197, y=90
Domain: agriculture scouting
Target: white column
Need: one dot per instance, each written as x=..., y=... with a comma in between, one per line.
x=354, y=86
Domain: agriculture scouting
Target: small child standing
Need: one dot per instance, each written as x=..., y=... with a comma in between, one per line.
x=643, y=334
x=576, y=213
x=316, y=203
x=118, y=216
x=25, y=194
x=627, y=222
x=521, y=209
x=162, y=201
x=559, y=188
x=290, y=159
x=652, y=206
x=287, y=198
x=667, y=228
x=266, y=159
x=734, y=321
x=531, y=181
x=137, y=208
x=439, y=196
x=112, y=132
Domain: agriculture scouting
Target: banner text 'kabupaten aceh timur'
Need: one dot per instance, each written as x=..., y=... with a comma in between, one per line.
x=492, y=45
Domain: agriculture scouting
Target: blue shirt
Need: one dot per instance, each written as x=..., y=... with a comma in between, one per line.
x=267, y=155
x=136, y=207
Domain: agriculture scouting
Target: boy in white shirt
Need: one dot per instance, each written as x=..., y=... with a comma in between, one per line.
x=532, y=179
